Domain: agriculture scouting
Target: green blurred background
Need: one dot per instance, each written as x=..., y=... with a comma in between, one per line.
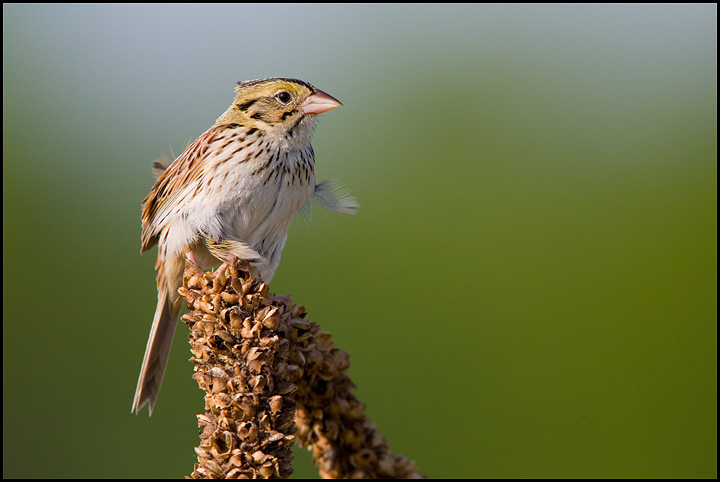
x=529, y=288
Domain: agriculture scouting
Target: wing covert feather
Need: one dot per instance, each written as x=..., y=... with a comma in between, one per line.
x=184, y=170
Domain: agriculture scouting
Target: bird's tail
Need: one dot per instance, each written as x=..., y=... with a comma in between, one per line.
x=158, y=347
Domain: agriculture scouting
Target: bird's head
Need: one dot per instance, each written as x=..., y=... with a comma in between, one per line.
x=280, y=106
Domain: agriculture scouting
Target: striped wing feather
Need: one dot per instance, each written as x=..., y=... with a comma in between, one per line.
x=187, y=168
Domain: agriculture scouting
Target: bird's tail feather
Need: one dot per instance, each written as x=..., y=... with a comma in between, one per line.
x=157, y=352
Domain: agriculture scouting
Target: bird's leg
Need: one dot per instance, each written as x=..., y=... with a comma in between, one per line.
x=190, y=256
x=224, y=267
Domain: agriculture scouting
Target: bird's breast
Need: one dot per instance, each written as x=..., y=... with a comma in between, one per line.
x=262, y=196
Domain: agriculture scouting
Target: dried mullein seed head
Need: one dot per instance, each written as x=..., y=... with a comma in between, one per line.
x=258, y=383
x=224, y=314
x=246, y=330
x=296, y=357
x=217, y=303
x=263, y=312
x=276, y=403
x=267, y=470
x=332, y=429
x=268, y=374
x=256, y=330
x=258, y=358
x=229, y=298
x=248, y=432
x=208, y=324
x=237, y=459
x=272, y=342
x=363, y=458
x=378, y=441
x=204, y=419
x=249, y=405
x=224, y=423
x=300, y=324
x=236, y=474
x=236, y=285
x=225, y=336
x=293, y=372
x=246, y=304
x=286, y=388
x=259, y=457
x=200, y=452
x=273, y=436
x=204, y=380
x=272, y=319
x=324, y=341
x=243, y=287
x=213, y=467
x=195, y=281
x=219, y=450
x=217, y=401
x=263, y=290
x=205, y=306
x=236, y=322
x=243, y=413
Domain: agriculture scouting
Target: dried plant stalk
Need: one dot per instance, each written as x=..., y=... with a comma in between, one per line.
x=240, y=352
x=261, y=365
x=331, y=421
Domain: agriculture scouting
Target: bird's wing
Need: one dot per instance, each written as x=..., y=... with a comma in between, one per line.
x=332, y=194
x=187, y=168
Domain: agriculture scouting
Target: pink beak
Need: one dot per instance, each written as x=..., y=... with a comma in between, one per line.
x=319, y=102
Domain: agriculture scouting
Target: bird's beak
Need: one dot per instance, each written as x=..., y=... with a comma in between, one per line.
x=319, y=102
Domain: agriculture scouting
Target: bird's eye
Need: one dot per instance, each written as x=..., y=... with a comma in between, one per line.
x=283, y=97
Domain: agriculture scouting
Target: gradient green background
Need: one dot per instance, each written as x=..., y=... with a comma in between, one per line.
x=529, y=288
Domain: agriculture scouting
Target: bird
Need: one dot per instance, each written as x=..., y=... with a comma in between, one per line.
x=232, y=193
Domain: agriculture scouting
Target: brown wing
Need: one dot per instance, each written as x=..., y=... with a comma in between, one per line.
x=184, y=170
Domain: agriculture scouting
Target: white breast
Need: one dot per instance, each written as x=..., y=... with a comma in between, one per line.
x=242, y=200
